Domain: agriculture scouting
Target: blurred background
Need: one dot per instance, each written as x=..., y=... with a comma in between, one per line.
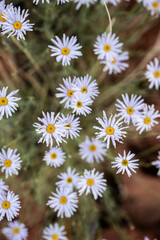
x=130, y=208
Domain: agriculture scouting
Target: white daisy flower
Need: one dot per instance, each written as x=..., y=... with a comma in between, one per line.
x=68, y=179
x=50, y=128
x=64, y=202
x=129, y=108
x=43, y=1
x=107, y=47
x=114, y=2
x=71, y=126
x=92, y=182
x=16, y=23
x=124, y=163
x=10, y=162
x=84, y=2
x=8, y=103
x=55, y=157
x=153, y=6
x=116, y=65
x=3, y=187
x=83, y=85
x=3, y=8
x=153, y=74
x=158, y=137
x=66, y=91
x=9, y=206
x=147, y=119
x=157, y=164
x=80, y=104
x=111, y=129
x=66, y=49
x=54, y=232
x=15, y=231
x=92, y=150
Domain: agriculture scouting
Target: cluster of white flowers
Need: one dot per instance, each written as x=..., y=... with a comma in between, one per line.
x=13, y=21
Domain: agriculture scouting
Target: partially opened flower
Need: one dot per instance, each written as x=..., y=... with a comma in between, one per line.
x=92, y=182
x=54, y=232
x=3, y=187
x=8, y=103
x=64, y=202
x=10, y=162
x=65, y=49
x=16, y=23
x=111, y=130
x=92, y=150
x=157, y=164
x=68, y=179
x=129, y=107
x=54, y=157
x=15, y=231
x=107, y=47
x=9, y=206
x=153, y=73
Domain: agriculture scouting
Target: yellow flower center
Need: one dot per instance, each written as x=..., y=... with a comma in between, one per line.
x=92, y=148
x=155, y=4
x=125, y=162
x=15, y=230
x=53, y=155
x=50, y=128
x=84, y=90
x=2, y=18
x=156, y=74
x=7, y=163
x=79, y=104
x=90, y=181
x=130, y=110
x=63, y=200
x=54, y=237
x=3, y=101
x=70, y=93
x=107, y=48
x=147, y=120
x=6, y=204
x=110, y=130
x=114, y=60
x=68, y=126
x=17, y=25
x=65, y=51
x=69, y=180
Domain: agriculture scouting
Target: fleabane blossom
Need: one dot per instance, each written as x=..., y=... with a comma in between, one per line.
x=3, y=8
x=3, y=187
x=54, y=232
x=65, y=49
x=129, y=107
x=92, y=182
x=117, y=64
x=84, y=85
x=48, y=1
x=81, y=104
x=8, y=104
x=66, y=91
x=15, y=231
x=92, y=150
x=114, y=2
x=10, y=162
x=54, y=157
x=157, y=164
x=153, y=73
x=153, y=6
x=125, y=163
x=84, y=2
x=111, y=129
x=16, y=23
x=9, y=206
x=71, y=125
x=51, y=129
x=147, y=119
x=107, y=47
x=68, y=179
x=64, y=202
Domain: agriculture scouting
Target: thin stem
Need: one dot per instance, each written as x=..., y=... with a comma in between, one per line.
x=109, y=17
